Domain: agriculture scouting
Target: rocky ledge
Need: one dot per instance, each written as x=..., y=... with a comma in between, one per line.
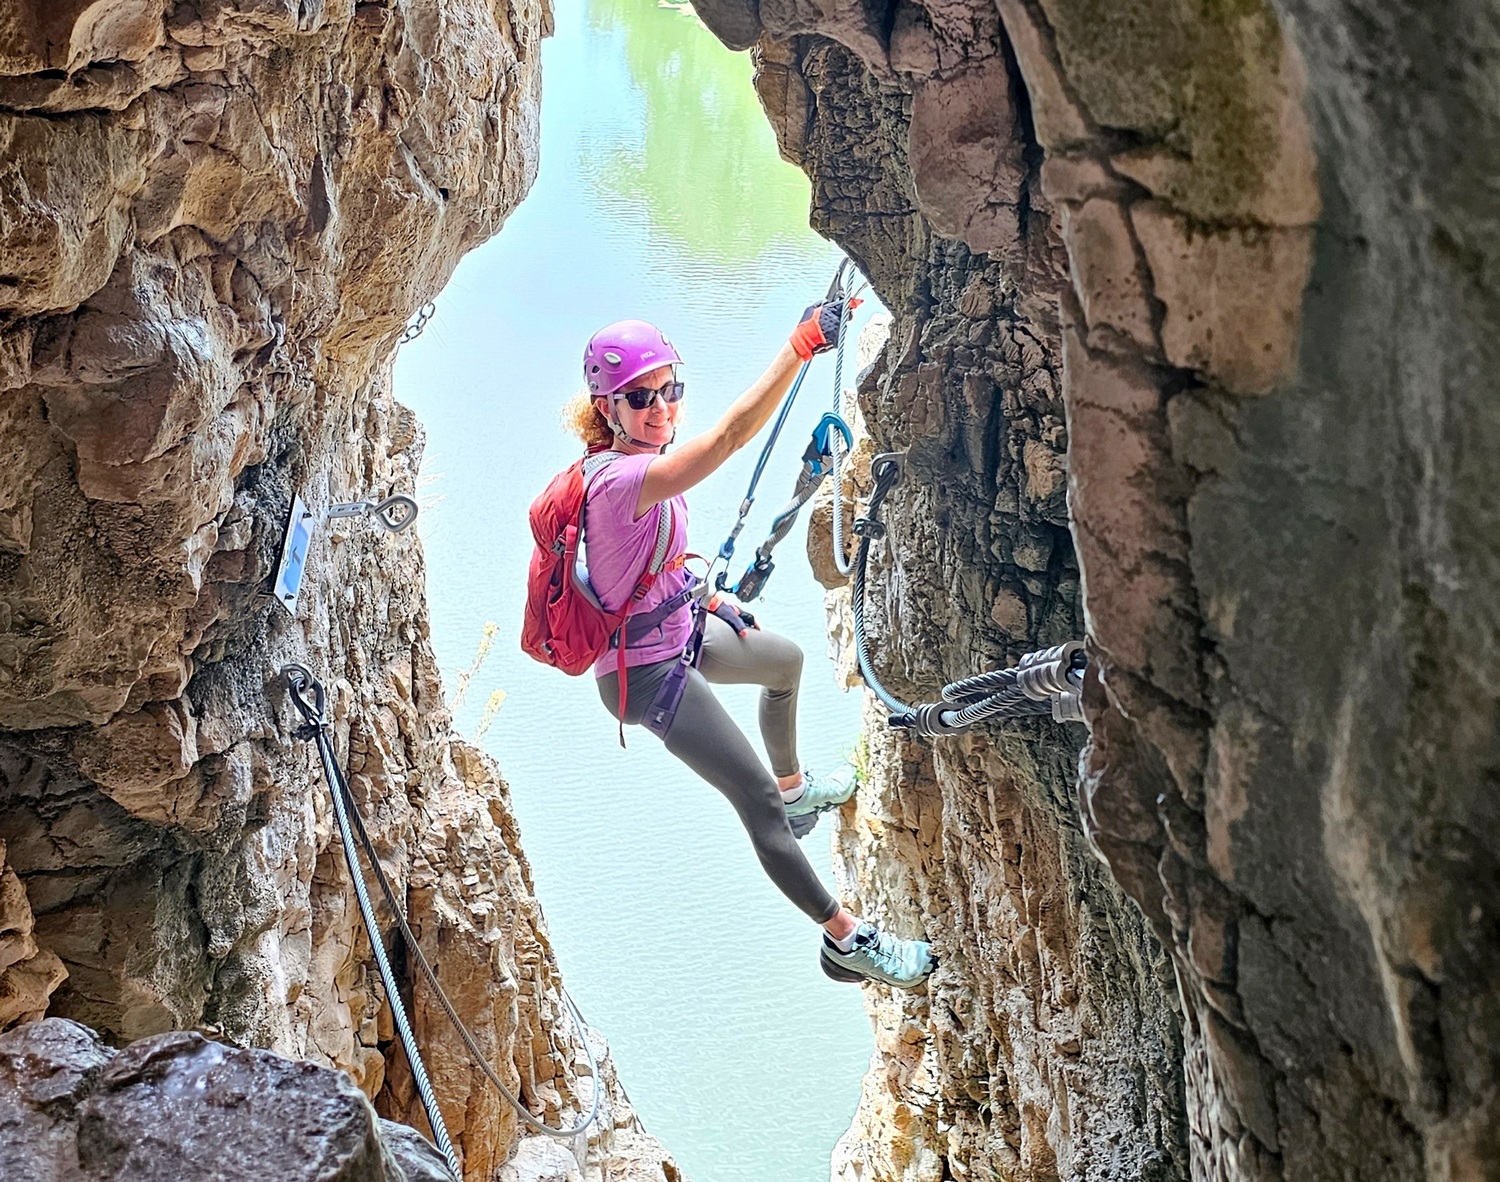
x=176, y=1106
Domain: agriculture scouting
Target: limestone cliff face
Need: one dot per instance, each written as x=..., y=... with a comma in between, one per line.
x=1192, y=317
x=215, y=219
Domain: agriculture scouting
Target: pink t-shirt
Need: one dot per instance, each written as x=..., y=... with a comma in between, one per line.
x=617, y=550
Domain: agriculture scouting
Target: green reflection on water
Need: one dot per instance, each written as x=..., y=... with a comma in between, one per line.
x=705, y=169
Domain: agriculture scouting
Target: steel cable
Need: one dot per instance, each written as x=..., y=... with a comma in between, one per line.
x=841, y=564
x=885, y=478
x=475, y=1052
x=299, y=679
x=981, y=683
x=1044, y=682
x=383, y=964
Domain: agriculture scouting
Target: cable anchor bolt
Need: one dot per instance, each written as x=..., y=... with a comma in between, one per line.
x=393, y=514
x=888, y=464
x=302, y=686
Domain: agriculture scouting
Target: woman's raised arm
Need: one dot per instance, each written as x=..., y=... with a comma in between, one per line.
x=693, y=461
x=701, y=455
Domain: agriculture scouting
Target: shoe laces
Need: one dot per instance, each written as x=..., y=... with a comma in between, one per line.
x=881, y=947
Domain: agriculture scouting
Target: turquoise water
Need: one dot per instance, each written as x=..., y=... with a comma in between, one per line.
x=660, y=196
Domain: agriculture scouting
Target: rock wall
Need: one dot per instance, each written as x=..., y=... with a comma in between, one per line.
x=175, y=1106
x=1047, y=1045
x=215, y=219
x=1220, y=276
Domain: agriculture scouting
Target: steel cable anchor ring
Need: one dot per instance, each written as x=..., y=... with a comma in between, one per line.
x=393, y=514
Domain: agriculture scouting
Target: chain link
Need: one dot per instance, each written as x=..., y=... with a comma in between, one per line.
x=414, y=329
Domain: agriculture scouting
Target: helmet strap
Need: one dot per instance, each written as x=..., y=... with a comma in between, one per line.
x=620, y=433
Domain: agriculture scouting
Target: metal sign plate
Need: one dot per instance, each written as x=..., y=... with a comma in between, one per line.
x=294, y=550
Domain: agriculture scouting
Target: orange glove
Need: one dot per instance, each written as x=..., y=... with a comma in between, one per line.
x=819, y=329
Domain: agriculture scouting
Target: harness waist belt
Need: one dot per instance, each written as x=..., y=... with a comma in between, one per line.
x=647, y=622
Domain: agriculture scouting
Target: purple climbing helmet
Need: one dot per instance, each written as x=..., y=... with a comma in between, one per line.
x=618, y=354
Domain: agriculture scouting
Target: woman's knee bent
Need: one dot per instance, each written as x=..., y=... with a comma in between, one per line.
x=785, y=672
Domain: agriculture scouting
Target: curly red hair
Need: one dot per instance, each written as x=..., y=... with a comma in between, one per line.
x=582, y=417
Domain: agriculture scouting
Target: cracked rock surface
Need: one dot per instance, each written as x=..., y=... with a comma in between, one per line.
x=175, y=1106
x=1192, y=323
x=215, y=219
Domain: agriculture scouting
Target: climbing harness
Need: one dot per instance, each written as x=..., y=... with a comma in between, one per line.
x=1046, y=682
x=663, y=708
x=310, y=699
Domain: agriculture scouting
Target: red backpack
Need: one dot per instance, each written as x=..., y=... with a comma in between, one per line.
x=565, y=624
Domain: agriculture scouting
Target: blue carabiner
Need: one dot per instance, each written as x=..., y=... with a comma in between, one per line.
x=828, y=423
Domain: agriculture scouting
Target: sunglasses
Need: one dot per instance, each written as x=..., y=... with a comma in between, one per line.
x=641, y=399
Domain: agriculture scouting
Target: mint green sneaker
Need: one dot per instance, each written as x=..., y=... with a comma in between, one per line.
x=879, y=956
x=819, y=794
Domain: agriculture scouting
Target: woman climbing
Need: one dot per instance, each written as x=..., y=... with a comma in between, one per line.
x=633, y=504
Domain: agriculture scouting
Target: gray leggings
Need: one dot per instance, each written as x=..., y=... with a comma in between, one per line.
x=705, y=738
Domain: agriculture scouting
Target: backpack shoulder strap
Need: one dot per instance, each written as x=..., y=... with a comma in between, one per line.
x=593, y=463
x=596, y=460
x=590, y=466
x=663, y=538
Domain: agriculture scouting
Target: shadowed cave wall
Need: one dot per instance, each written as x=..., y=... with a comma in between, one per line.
x=1225, y=272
